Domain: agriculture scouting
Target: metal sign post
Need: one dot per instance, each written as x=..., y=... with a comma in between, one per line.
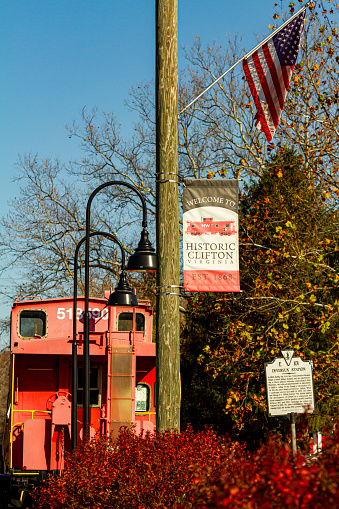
x=293, y=417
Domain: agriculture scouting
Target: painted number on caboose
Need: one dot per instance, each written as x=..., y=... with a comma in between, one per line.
x=93, y=313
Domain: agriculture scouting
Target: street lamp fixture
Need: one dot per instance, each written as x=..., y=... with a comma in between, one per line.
x=144, y=261
x=144, y=258
x=123, y=297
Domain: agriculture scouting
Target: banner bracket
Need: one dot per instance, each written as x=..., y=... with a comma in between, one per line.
x=161, y=181
x=168, y=292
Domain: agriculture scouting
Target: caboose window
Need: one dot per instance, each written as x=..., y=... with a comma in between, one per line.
x=125, y=321
x=32, y=323
x=94, y=386
x=142, y=397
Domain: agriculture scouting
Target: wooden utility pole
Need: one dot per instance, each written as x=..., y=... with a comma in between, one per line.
x=167, y=216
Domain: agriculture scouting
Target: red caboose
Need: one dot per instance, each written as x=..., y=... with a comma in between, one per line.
x=122, y=379
x=209, y=226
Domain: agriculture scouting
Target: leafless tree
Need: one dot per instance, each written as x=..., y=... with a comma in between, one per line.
x=217, y=138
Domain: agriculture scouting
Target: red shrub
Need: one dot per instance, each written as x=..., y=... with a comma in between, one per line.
x=188, y=470
x=269, y=479
x=138, y=472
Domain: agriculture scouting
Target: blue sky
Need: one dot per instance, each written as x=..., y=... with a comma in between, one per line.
x=58, y=56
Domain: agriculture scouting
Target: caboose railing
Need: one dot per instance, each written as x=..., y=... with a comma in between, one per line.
x=21, y=424
x=146, y=413
x=32, y=412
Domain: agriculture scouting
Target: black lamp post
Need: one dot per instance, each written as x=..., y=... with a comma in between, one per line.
x=123, y=295
x=144, y=259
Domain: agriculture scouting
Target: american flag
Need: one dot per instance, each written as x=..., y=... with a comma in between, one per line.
x=268, y=72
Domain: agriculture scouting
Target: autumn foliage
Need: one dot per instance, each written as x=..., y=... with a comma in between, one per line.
x=267, y=479
x=289, y=256
x=181, y=471
x=141, y=472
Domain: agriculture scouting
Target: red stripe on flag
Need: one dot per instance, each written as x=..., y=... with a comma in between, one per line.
x=274, y=74
x=261, y=115
x=287, y=73
x=266, y=90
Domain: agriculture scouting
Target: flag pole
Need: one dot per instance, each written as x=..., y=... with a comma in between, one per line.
x=246, y=56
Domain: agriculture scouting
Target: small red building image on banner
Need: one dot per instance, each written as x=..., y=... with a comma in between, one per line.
x=208, y=225
x=210, y=238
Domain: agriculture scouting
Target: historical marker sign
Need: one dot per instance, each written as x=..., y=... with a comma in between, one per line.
x=289, y=382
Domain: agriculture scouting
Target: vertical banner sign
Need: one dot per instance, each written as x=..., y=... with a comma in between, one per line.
x=210, y=236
